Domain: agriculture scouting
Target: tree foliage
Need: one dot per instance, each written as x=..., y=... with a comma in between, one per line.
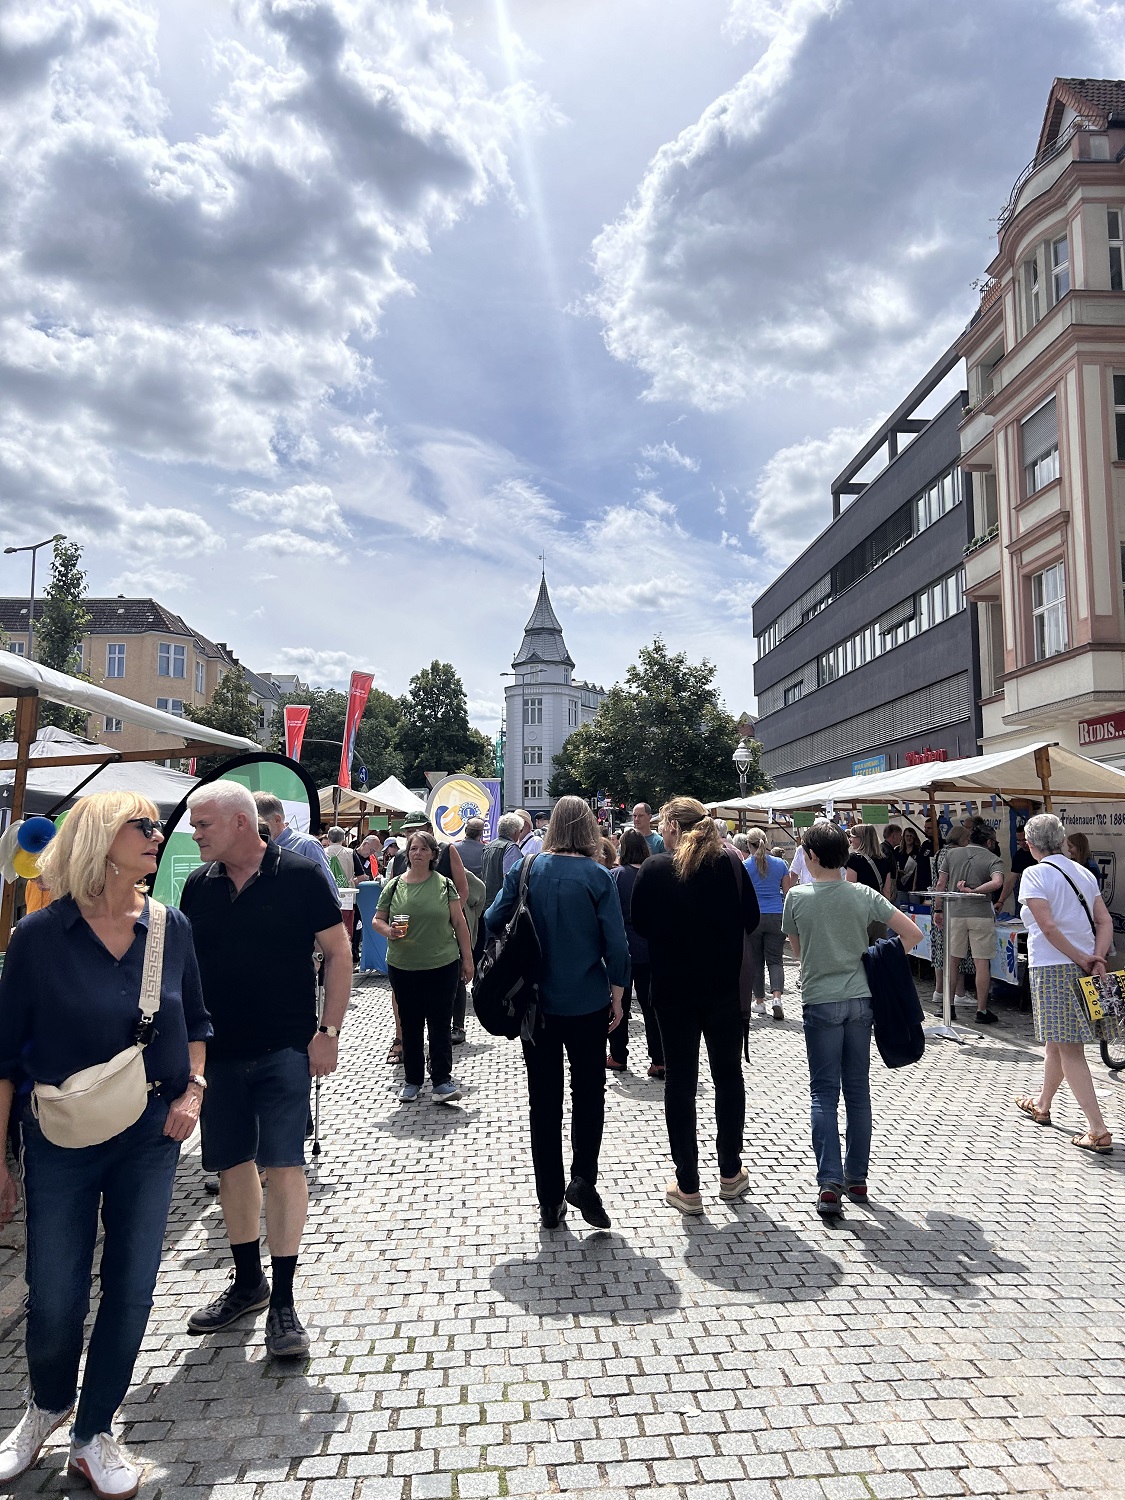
x=230, y=710
x=435, y=733
x=663, y=733
x=59, y=629
x=374, y=741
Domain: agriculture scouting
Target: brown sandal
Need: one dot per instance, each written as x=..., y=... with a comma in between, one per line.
x=395, y=1054
x=1102, y=1144
x=1026, y=1102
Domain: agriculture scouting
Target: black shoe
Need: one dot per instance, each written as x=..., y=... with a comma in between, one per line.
x=551, y=1217
x=211, y=1185
x=231, y=1305
x=986, y=1018
x=586, y=1200
x=285, y=1334
x=457, y=1036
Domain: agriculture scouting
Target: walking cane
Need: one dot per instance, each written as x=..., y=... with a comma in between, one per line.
x=316, y=1081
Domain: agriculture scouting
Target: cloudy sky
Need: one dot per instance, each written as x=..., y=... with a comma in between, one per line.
x=321, y=320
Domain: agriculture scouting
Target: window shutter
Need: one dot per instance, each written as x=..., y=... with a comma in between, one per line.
x=1040, y=432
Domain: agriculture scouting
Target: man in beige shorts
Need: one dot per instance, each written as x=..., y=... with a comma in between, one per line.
x=969, y=866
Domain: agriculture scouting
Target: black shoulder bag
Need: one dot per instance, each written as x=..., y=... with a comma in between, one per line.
x=506, y=991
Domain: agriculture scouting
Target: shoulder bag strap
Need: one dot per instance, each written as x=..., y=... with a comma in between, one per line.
x=1077, y=892
x=153, y=972
x=874, y=868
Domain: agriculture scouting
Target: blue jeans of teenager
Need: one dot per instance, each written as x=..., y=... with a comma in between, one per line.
x=129, y=1179
x=838, y=1044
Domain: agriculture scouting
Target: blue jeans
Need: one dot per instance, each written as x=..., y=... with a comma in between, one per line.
x=838, y=1044
x=130, y=1179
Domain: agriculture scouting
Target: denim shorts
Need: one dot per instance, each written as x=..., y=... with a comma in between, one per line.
x=255, y=1109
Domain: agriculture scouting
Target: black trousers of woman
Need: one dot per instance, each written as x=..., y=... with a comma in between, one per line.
x=685, y=1019
x=425, y=1003
x=639, y=982
x=582, y=1040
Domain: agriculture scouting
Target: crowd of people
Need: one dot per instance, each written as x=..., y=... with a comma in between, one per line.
x=123, y=1026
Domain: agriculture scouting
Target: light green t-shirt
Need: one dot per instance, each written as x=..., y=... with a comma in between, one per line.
x=430, y=942
x=831, y=918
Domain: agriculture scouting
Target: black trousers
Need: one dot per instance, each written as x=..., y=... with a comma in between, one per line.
x=582, y=1039
x=425, y=1003
x=684, y=1020
x=639, y=982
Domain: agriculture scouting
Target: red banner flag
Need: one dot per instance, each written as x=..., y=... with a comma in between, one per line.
x=357, y=702
x=296, y=722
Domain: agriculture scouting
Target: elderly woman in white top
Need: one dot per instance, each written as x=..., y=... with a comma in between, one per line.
x=1069, y=934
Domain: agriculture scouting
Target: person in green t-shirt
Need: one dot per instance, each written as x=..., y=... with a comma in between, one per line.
x=826, y=923
x=428, y=950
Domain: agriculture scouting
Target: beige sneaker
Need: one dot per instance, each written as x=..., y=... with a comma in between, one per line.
x=22, y=1446
x=106, y=1467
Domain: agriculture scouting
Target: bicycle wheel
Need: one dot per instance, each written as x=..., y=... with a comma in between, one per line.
x=1113, y=1055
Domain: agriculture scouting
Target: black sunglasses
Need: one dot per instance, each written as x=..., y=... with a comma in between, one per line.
x=148, y=826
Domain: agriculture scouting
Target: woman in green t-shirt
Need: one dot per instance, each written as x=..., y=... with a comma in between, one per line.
x=827, y=925
x=428, y=950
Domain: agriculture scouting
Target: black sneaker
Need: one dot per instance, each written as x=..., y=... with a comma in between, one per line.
x=231, y=1305
x=986, y=1018
x=285, y=1334
x=457, y=1036
x=551, y=1217
x=586, y=1200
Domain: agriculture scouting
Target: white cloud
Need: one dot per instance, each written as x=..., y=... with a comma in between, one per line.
x=819, y=225
x=286, y=543
x=149, y=581
x=668, y=453
x=322, y=668
x=792, y=498
x=310, y=506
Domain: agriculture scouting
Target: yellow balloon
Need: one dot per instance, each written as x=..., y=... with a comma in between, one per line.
x=25, y=864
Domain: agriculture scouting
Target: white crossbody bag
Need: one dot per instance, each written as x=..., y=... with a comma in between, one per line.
x=95, y=1104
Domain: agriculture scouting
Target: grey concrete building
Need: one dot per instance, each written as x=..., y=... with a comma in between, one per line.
x=866, y=649
x=542, y=707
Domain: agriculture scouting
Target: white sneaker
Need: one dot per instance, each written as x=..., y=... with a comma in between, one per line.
x=778, y=1011
x=106, y=1468
x=759, y=1007
x=21, y=1447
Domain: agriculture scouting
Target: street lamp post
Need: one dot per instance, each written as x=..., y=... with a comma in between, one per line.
x=58, y=537
x=742, y=758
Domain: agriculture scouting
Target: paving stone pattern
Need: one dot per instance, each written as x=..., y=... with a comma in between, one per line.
x=962, y=1335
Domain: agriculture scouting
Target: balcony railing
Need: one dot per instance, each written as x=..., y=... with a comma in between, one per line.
x=989, y=293
x=1063, y=140
x=982, y=540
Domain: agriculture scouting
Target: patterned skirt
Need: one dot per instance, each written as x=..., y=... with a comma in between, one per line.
x=1059, y=1014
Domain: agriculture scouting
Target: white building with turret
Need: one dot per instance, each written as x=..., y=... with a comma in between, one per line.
x=543, y=706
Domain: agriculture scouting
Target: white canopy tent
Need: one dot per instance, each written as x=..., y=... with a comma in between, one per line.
x=390, y=796
x=51, y=786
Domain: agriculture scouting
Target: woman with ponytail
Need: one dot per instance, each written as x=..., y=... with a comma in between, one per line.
x=694, y=904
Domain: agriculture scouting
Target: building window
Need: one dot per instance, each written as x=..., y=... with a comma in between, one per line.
x=533, y=790
x=115, y=660
x=18, y=648
x=533, y=755
x=1048, y=611
x=1116, y=251
x=200, y=677
x=1060, y=268
x=171, y=706
x=1031, y=289
x=572, y=713
x=1119, y=413
x=793, y=692
x=1039, y=436
x=112, y=726
x=566, y=677
x=533, y=710
x=171, y=660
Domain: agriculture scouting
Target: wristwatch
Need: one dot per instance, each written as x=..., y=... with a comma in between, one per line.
x=198, y=1078
x=332, y=1031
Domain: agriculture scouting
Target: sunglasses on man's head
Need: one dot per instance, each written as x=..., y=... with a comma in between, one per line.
x=148, y=826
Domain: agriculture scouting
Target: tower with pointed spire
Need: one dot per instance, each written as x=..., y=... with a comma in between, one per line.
x=543, y=706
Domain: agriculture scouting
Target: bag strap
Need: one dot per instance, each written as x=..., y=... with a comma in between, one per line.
x=874, y=868
x=1077, y=892
x=153, y=972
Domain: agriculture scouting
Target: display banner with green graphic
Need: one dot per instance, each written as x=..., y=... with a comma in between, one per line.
x=288, y=781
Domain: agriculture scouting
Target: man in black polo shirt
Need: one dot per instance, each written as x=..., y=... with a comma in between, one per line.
x=255, y=912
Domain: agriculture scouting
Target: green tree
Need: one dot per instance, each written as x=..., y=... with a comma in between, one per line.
x=320, y=753
x=662, y=733
x=229, y=710
x=435, y=733
x=59, y=629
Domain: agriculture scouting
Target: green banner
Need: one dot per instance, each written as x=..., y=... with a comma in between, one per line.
x=876, y=813
x=804, y=819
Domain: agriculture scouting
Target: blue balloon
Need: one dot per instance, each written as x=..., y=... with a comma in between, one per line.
x=35, y=834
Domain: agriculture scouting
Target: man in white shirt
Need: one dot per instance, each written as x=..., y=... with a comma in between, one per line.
x=529, y=841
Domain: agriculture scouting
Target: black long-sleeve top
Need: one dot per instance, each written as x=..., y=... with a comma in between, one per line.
x=694, y=927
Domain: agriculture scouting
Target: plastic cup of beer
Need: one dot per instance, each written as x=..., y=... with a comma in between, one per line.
x=401, y=924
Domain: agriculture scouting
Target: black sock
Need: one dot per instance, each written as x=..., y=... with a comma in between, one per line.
x=283, y=1269
x=247, y=1264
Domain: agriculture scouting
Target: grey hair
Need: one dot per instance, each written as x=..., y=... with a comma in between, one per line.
x=231, y=796
x=268, y=805
x=741, y=842
x=1045, y=832
x=510, y=825
x=336, y=835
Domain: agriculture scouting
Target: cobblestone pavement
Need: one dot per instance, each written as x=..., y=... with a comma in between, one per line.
x=962, y=1335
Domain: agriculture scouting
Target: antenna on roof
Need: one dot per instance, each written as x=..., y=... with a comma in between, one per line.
x=543, y=566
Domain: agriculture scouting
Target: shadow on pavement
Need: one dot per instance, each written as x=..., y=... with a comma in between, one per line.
x=947, y=1252
x=600, y=1275
x=425, y=1121
x=758, y=1256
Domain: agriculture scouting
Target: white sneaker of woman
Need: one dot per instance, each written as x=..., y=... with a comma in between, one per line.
x=106, y=1467
x=22, y=1446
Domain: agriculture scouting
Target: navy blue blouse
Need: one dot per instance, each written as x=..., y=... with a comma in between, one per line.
x=66, y=1003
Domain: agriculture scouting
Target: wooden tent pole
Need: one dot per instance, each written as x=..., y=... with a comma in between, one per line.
x=1043, y=771
x=27, y=721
